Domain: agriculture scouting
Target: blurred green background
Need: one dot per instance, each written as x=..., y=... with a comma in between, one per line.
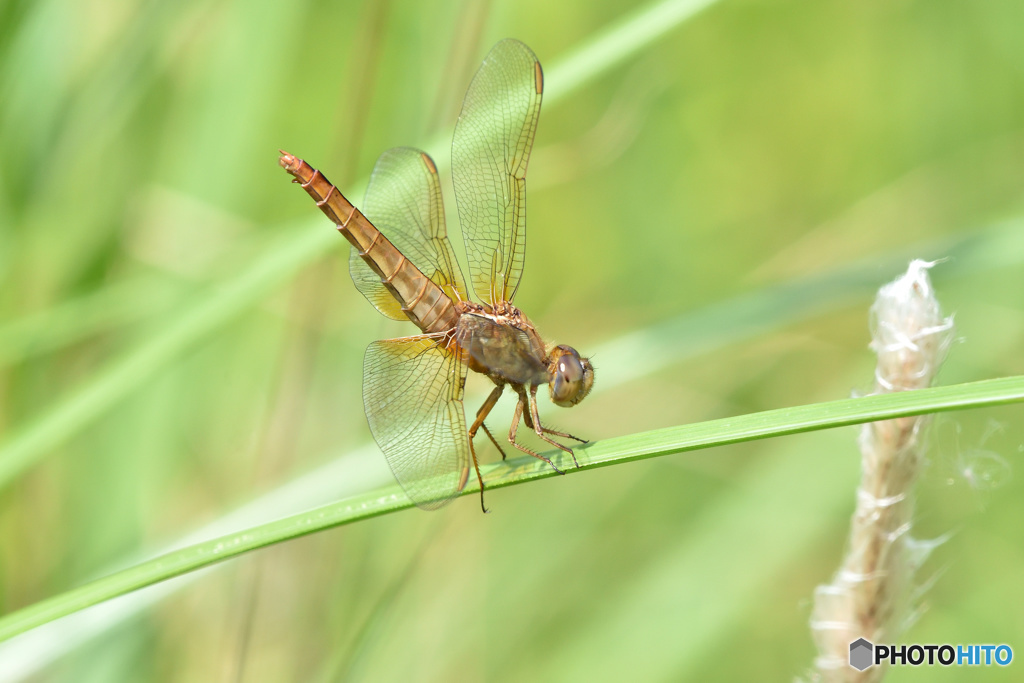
x=741, y=165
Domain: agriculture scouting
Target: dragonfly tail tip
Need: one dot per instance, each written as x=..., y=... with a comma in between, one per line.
x=287, y=161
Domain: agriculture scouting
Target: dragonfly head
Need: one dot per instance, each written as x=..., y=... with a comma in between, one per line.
x=571, y=376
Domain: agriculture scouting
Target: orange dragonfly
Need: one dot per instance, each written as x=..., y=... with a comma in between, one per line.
x=413, y=386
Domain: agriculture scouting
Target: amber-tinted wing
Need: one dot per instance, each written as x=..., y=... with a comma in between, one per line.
x=412, y=393
x=490, y=151
x=403, y=201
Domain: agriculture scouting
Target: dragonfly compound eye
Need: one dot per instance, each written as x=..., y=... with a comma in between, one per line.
x=572, y=377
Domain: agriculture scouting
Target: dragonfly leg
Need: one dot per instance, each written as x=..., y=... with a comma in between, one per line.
x=516, y=416
x=564, y=435
x=539, y=429
x=484, y=411
x=529, y=423
x=481, y=415
x=476, y=466
x=493, y=440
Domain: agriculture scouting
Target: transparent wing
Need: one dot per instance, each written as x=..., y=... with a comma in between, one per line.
x=412, y=394
x=404, y=202
x=490, y=151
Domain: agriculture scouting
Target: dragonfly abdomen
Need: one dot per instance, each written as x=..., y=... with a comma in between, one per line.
x=422, y=301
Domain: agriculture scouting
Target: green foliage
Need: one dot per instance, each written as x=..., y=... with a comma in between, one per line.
x=711, y=204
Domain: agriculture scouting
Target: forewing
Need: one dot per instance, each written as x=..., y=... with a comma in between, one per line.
x=404, y=202
x=412, y=394
x=490, y=151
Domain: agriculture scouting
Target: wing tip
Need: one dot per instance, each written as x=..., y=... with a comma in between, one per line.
x=431, y=166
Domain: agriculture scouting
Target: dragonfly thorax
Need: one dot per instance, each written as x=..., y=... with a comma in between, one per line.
x=500, y=341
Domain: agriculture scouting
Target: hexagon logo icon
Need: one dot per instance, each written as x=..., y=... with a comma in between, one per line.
x=860, y=654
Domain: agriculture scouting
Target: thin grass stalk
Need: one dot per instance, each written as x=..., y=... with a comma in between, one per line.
x=515, y=471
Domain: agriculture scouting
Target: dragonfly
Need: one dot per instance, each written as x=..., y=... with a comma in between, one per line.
x=403, y=263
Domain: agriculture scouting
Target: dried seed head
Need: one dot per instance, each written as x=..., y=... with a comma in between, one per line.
x=909, y=333
x=872, y=595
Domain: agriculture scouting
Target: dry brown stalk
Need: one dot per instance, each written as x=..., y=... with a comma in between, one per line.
x=870, y=595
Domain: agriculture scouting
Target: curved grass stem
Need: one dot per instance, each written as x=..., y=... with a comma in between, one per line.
x=615, y=451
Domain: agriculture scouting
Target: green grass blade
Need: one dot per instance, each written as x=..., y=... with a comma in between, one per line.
x=300, y=246
x=121, y=376
x=750, y=539
x=617, y=43
x=72, y=321
x=600, y=454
